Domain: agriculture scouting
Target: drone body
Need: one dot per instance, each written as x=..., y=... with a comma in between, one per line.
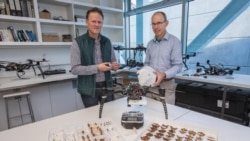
x=134, y=91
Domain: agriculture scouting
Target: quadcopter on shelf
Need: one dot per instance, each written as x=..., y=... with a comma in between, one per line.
x=140, y=48
x=215, y=69
x=21, y=67
x=185, y=57
x=131, y=62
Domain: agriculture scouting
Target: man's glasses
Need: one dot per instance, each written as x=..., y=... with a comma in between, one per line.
x=94, y=22
x=158, y=23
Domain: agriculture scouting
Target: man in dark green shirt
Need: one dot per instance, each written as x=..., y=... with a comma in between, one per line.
x=92, y=59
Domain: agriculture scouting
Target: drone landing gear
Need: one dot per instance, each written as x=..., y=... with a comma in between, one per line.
x=162, y=99
x=101, y=105
x=105, y=93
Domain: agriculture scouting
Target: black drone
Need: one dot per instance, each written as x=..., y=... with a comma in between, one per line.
x=134, y=91
x=215, y=69
x=131, y=62
x=21, y=67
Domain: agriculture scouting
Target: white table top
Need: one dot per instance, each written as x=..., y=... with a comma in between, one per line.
x=227, y=131
x=236, y=80
x=39, y=131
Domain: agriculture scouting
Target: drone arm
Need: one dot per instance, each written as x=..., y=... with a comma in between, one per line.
x=147, y=91
x=153, y=94
x=162, y=99
x=33, y=69
x=230, y=71
x=185, y=64
x=237, y=68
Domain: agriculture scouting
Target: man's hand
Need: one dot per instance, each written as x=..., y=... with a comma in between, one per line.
x=115, y=65
x=104, y=66
x=159, y=77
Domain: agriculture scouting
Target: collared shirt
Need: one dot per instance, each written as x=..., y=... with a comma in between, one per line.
x=165, y=55
x=78, y=69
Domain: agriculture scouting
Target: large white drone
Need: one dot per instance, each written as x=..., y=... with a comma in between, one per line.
x=135, y=92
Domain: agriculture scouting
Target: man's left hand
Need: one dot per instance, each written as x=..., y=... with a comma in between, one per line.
x=159, y=77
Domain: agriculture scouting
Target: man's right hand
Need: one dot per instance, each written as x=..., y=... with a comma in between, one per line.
x=159, y=77
x=104, y=66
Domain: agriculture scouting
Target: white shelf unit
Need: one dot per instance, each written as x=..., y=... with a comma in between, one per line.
x=18, y=23
x=57, y=9
x=67, y=9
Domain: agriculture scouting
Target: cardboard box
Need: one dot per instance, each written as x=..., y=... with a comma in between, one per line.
x=50, y=37
x=45, y=15
x=67, y=38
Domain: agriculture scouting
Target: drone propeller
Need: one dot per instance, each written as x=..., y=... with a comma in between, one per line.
x=37, y=62
x=141, y=47
x=187, y=56
x=4, y=62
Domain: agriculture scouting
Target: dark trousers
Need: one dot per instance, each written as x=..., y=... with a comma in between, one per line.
x=89, y=101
